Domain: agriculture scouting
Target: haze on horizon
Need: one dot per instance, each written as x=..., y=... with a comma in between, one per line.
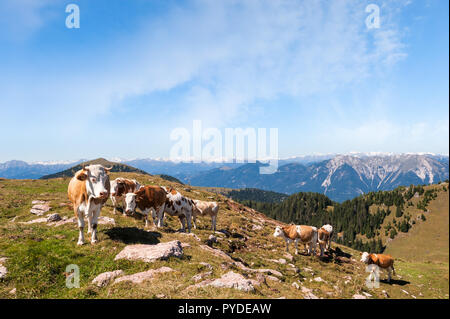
x=134, y=71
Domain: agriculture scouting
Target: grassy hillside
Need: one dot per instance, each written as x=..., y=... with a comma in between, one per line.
x=38, y=254
x=116, y=167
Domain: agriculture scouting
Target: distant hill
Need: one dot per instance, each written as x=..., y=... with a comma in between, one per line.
x=23, y=170
x=255, y=194
x=116, y=167
x=374, y=220
x=170, y=178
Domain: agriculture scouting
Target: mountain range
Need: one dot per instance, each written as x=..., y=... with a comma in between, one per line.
x=340, y=177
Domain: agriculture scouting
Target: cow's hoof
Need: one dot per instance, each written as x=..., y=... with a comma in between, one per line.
x=80, y=243
x=93, y=242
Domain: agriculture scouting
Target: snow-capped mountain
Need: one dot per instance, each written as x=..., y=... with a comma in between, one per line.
x=341, y=177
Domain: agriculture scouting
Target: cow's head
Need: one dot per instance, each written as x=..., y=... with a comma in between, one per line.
x=278, y=232
x=117, y=187
x=195, y=209
x=365, y=257
x=130, y=203
x=97, y=180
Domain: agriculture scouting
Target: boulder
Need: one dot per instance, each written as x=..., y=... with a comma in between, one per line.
x=3, y=270
x=142, y=276
x=307, y=293
x=151, y=253
x=40, y=209
x=231, y=280
x=37, y=220
x=53, y=217
x=105, y=278
x=201, y=276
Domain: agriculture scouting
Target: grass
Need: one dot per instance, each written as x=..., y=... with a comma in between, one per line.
x=39, y=254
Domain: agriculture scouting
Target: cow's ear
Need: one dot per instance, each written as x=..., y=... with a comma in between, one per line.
x=82, y=175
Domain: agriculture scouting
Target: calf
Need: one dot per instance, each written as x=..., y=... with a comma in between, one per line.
x=323, y=238
x=148, y=198
x=302, y=233
x=120, y=187
x=178, y=205
x=88, y=191
x=385, y=262
x=205, y=208
x=329, y=229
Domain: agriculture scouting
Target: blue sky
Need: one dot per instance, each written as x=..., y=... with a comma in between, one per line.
x=136, y=70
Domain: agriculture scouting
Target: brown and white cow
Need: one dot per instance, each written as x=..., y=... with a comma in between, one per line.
x=323, y=238
x=147, y=198
x=119, y=188
x=204, y=208
x=88, y=191
x=329, y=229
x=307, y=235
x=385, y=262
x=178, y=205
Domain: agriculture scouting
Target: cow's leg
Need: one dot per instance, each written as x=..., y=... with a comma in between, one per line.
x=213, y=222
x=94, y=223
x=322, y=247
x=189, y=221
x=114, y=202
x=194, y=220
x=182, y=222
x=160, y=214
x=389, y=274
x=80, y=214
x=287, y=245
x=296, y=246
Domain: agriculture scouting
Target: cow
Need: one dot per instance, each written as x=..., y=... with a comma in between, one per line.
x=178, y=205
x=119, y=188
x=147, y=198
x=329, y=229
x=88, y=191
x=204, y=208
x=385, y=262
x=323, y=238
x=304, y=234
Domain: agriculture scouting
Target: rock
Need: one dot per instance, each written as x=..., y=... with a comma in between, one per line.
x=142, y=276
x=105, y=278
x=150, y=253
x=357, y=296
x=308, y=269
x=295, y=285
x=3, y=269
x=230, y=280
x=366, y=294
x=160, y=296
x=191, y=235
x=40, y=209
x=256, y=227
x=103, y=220
x=53, y=217
x=273, y=278
x=201, y=276
x=13, y=291
x=37, y=202
x=288, y=256
x=405, y=292
x=318, y=279
x=206, y=265
x=385, y=294
x=307, y=293
x=212, y=238
x=37, y=220
x=14, y=219
x=225, y=232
